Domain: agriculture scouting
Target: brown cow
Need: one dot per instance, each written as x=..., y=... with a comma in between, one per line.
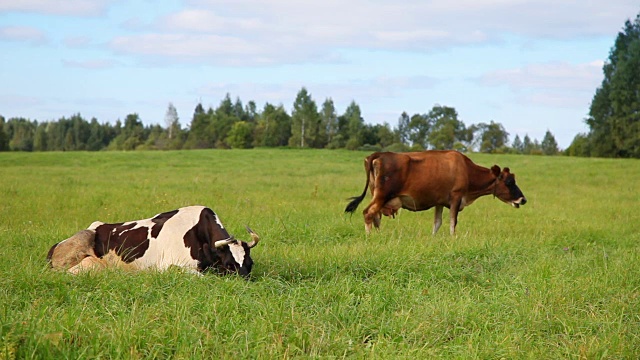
x=418, y=181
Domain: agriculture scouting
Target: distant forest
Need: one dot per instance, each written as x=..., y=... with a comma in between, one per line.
x=234, y=125
x=614, y=123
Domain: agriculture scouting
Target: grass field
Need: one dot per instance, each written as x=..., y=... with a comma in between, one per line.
x=557, y=278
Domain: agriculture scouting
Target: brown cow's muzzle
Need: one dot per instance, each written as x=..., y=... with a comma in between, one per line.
x=521, y=201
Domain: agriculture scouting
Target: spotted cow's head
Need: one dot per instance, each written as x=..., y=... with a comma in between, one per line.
x=505, y=187
x=234, y=256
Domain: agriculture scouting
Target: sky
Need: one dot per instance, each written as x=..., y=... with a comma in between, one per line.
x=531, y=65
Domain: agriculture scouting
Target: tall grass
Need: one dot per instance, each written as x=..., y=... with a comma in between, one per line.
x=558, y=278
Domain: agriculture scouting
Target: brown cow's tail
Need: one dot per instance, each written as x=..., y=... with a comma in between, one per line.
x=355, y=201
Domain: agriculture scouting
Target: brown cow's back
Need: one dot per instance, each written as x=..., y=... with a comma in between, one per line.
x=442, y=172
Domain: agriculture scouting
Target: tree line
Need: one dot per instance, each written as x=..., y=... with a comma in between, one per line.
x=235, y=125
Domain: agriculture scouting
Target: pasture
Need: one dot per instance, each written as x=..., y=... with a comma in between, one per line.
x=557, y=278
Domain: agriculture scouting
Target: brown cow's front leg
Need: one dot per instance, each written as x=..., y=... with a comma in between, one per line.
x=437, y=218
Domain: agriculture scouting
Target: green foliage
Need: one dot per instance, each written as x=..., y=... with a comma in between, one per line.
x=329, y=120
x=274, y=127
x=355, y=126
x=580, y=146
x=398, y=147
x=240, y=136
x=446, y=129
x=543, y=281
x=517, y=146
x=549, y=146
x=4, y=138
x=492, y=137
x=21, y=133
x=404, y=128
x=232, y=124
x=614, y=115
x=418, y=128
x=305, y=122
x=200, y=136
x=172, y=122
x=531, y=147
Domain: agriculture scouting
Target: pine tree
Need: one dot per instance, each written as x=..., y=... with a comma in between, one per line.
x=614, y=115
x=517, y=145
x=549, y=145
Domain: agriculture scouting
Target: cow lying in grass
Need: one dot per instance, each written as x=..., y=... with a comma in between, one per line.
x=191, y=237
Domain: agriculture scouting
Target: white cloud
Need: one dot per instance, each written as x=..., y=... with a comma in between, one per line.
x=208, y=21
x=556, y=99
x=554, y=85
x=556, y=18
x=77, y=41
x=188, y=47
x=90, y=64
x=557, y=75
x=23, y=33
x=19, y=101
x=57, y=7
x=251, y=32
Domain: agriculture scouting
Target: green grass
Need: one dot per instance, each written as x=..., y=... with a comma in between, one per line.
x=557, y=278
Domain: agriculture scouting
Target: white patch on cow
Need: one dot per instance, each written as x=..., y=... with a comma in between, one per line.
x=168, y=248
x=238, y=253
x=94, y=225
x=218, y=221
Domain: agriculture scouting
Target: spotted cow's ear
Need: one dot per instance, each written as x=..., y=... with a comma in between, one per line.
x=495, y=170
x=207, y=252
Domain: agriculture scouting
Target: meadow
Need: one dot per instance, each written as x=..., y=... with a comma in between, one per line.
x=557, y=278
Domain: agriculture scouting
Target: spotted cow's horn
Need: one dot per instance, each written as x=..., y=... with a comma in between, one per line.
x=223, y=242
x=254, y=237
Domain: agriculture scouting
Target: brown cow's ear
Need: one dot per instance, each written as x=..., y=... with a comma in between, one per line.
x=506, y=170
x=495, y=169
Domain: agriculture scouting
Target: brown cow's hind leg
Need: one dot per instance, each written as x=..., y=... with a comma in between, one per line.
x=437, y=218
x=453, y=214
x=372, y=216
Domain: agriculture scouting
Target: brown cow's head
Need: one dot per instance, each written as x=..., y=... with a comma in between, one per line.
x=505, y=187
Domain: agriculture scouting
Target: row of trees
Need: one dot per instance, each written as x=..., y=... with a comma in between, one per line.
x=234, y=125
x=614, y=114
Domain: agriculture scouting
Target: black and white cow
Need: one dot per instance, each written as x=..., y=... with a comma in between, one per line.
x=191, y=237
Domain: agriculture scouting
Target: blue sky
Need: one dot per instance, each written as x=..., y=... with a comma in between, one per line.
x=530, y=65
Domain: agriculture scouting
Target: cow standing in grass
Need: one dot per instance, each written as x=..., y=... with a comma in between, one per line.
x=191, y=237
x=418, y=181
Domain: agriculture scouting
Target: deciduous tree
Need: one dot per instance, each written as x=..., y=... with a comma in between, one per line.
x=304, y=121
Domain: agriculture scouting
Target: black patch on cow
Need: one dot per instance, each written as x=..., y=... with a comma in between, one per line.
x=159, y=221
x=127, y=242
x=200, y=240
x=514, y=190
